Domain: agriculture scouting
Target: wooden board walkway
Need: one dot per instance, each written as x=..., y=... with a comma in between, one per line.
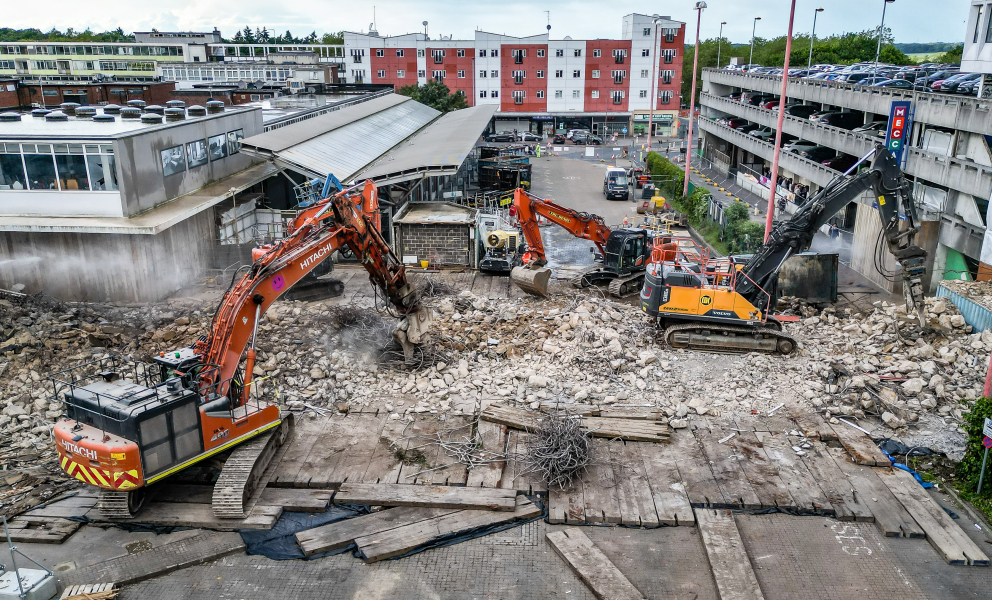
x=861, y=448
x=200, y=516
x=735, y=579
x=434, y=496
x=593, y=567
x=341, y=534
x=635, y=430
x=41, y=530
x=890, y=516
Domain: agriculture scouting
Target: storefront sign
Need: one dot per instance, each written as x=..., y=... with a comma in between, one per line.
x=899, y=128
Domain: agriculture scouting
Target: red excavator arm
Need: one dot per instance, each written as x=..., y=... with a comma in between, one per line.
x=348, y=218
x=580, y=224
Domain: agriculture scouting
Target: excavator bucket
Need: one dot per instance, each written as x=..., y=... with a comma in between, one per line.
x=531, y=280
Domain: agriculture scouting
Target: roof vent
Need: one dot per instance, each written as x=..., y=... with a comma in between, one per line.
x=155, y=108
x=112, y=109
x=85, y=112
x=56, y=115
x=196, y=111
x=137, y=103
x=151, y=119
x=40, y=112
x=175, y=114
x=215, y=106
x=69, y=108
x=130, y=112
x=175, y=104
x=104, y=118
x=9, y=117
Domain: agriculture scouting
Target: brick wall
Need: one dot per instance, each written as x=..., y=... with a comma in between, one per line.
x=450, y=242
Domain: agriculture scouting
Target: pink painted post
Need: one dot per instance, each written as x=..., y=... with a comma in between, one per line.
x=692, y=100
x=987, y=390
x=778, y=132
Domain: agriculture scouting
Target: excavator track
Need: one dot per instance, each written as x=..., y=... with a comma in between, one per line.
x=622, y=287
x=120, y=505
x=244, y=475
x=729, y=339
x=580, y=280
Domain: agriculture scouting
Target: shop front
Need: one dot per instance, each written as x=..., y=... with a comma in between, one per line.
x=663, y=123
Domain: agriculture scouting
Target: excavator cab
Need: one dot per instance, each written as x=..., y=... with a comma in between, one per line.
x=627, y=250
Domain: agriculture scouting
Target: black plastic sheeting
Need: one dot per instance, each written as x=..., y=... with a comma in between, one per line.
x=893, y=447
x=279, y=543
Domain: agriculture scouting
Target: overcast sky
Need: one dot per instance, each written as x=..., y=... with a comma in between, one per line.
x=910, y=20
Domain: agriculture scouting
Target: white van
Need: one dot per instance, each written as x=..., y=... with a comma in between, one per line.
x=615, y=184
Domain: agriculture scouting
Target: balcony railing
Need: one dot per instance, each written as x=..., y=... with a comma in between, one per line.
x=518, y=59
x=618, y=58
x=519, y=80
x=518, y=100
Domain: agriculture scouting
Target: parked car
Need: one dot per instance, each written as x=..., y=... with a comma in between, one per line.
x=938, y=75
x=736, y=96
x=559, y=138
x=527, y=136
x=940, y=85
x=969, y=88
x=900, y=84
x=844, y=120
x=571, y=132
x=798, y=146
x=586, y=139
x=951, y=86
x=818, y=153
x=765, y=133
x=803, y=111
x=771, y=104
x=820, y=114
x=841, y=162
x=748, y=128
x=503, y=136
x=736, y=123
x=875, y=128
x=758, y=99
x=856, y=77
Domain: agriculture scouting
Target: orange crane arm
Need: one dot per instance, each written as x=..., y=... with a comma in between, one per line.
x=580, y=224
x=343, y=219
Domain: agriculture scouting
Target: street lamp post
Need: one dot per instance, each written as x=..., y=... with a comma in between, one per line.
x=754, y=28
x=812, y=38
x=692, y=99
x=719, y=43
x=881, y=29
x=654, y=81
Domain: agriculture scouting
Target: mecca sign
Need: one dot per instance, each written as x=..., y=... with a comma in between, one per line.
x=899, y=128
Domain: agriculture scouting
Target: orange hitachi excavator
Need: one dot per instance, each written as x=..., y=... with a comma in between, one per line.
x=623, y=253
x=129, y=425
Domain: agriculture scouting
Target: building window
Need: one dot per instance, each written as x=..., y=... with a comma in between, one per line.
x=594, y=94
x=482, y=74
x=540, y=74
x=618, y=96
x=978, y=24
x=493, y=53
x=666, y=76
x=559, y=74
x=642, y=94
x=666, y=96
x=494, y=74
x=646, y=52
x=400, y=53
x=461, y=74
x=540, y=93
x=379, y=53
x=518, y=74
x=644, y=72
x=482, y=93
x=438, y=56
x=595, y=74
x=558, y=94
x=669, y=54
x=578, y=53
x=495, y=94
x=597, y=53
x=576, y=73
x=438, y=75
x=380, y=73
x=420, y=53
x=460, y=53
x=401, y=74
x=482, y=53
x=560, y=52
x=576, y=93
x=421, y=74
x=647, y=31
x=540, y=53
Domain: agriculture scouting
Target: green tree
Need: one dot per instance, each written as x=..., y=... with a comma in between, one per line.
x=239, y=38
x=737, y=211
x=952, y=56
x=333, y=38
x=745, y=236
x=971, y=465
x=248, y=35
x=436, y=95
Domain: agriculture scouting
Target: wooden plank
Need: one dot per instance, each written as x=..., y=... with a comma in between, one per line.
x=481, y=285
x=493, y=438
x=307, y=432
x=41, y=530
x=419, y=454
x=363, y=437
x=340, y=534
x=385, y=464
x=202, y=516
x=456, y=473
x=671, y=502
x=599, y=486
x=835, y=485
x=567, y=506
x=515, y=474
x=69, y=507
x=953, y=545
x=735, y=579
x=802, y=486
x=861, y=448
x=634, y=492
x=433, y=496
x=814, y=427
x=603, y=427
x=726, y=466
x=593, y=567
x=761, y=473
x=401, y=540
x=700, y=486
x=296, y=500
x=514, y=418
x=890, y=516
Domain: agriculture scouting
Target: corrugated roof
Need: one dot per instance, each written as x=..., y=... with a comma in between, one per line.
x=285, y=137
x=438, y=149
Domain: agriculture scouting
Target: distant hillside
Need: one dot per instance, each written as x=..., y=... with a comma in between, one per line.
x=927, y=48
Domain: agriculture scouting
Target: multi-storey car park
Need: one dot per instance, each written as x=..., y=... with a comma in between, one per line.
x=947, y=158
